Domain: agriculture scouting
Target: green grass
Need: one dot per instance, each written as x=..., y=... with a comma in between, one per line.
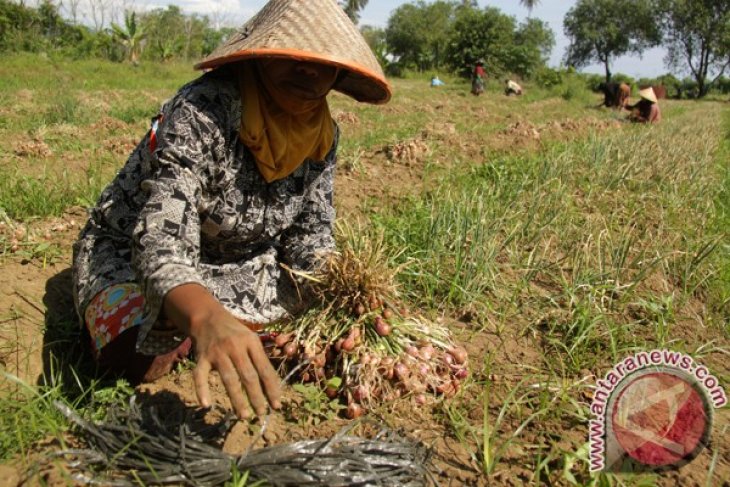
x=722, y=224
x=49, y=73
x=27, y=411
x=23, y=195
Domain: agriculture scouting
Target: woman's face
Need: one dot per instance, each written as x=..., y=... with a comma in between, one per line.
x=306, y=80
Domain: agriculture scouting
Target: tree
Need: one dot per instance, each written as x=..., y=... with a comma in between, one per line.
x=537, y=34
x=418, y=33
x=353, y=7
x=214, y=37
x=375, y=37
x=99, y=10
x=130, y=36
x=601, y=30
x=171, y=34
x=487, y=34
x=534, y=41
x=697, y=36
x=72, y=6
x=530, y=5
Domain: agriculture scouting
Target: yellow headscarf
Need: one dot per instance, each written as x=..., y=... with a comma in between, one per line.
x=279, y=129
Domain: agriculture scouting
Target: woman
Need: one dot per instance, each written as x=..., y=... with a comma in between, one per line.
x=233, y=179
x=477, y=79
x=646, y=110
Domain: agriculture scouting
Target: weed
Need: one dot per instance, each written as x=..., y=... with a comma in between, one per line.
x=45, y=252
x=240, y=479
x=317, y=406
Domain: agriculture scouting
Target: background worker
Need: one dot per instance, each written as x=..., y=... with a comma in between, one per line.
x=512, y=88
x=646, y=110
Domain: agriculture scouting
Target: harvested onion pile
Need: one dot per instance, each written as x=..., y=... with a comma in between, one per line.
x=362, y=334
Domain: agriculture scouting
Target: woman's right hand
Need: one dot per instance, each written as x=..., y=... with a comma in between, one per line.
x=224, y=344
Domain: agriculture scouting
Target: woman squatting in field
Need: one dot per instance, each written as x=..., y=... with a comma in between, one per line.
x=234, y=178
x=646, y=110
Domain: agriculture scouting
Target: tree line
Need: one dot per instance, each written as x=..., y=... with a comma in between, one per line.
x=443, y=35
x=161, y=34
x=452, y=36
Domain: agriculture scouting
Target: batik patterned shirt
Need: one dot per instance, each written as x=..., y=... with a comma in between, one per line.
x=196, y=210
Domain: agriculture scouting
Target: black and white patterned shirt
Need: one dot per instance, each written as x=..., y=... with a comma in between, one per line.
x=197, y=210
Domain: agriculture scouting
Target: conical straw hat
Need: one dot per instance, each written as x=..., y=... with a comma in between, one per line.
x=648, y=94
x=308, y=30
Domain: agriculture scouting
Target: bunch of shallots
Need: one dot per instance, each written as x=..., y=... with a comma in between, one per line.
x=364, y=336
x=378, y=352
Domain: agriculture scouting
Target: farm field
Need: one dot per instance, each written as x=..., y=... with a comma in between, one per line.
x=552, y=239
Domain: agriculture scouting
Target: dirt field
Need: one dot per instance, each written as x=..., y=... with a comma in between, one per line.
x=452, y=132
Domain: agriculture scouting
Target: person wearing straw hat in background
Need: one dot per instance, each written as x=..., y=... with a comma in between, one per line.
x=646, y=110
x=477, y=78
x=234, y=178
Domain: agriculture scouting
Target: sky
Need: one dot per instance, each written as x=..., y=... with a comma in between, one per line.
x=377, y=12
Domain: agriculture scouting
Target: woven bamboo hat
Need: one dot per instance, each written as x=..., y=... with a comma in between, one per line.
x=308, y=30
x=648, y=94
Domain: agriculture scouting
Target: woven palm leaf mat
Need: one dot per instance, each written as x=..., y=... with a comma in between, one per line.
x=134, y=446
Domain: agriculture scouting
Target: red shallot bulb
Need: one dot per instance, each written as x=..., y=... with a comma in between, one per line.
x=348, y=344
x=360, y=393
x=461, y=374
x=412, y=351
x=400, y=370
x=282, y=339
x=420, y=399
x=382, y=328
x=354, y=410
x=290, y=349
x=426, y=352
x=387, y=313
x=319, y=360
x=447, y=389
x=459, y=355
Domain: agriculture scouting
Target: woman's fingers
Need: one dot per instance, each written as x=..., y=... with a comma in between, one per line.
x=230, y=377
x=238, y=356
x=267, y=375
x=250, y=382
x=200, y=377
